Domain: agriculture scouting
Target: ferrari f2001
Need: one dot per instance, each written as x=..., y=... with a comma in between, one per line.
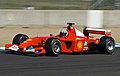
x=69, y=40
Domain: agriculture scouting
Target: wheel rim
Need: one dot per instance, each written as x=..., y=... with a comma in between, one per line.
x=110, y=45
x=22, y=39
x=56, y=47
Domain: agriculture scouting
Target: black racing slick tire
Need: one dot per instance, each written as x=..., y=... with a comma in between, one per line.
x=53, y=46
x=106, y=45
x=19, y=38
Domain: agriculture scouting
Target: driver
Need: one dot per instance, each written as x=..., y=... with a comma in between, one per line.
x=63, y=33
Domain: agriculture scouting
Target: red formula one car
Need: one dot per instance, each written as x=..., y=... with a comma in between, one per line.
x=69, y=40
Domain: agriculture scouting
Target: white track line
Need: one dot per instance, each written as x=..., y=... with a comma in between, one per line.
x=2, y=48
x=117, y=45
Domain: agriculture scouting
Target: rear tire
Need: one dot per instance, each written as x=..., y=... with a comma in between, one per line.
x=106, y=45
x=19, y=38
x=53, y=47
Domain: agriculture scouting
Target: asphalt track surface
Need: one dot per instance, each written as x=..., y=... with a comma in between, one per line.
x=88, y=64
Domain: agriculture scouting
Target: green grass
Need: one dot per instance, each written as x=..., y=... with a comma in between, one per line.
x=47, y=4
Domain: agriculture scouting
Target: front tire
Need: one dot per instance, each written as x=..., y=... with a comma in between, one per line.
x=19, y=38
x=53, y=47
x=107, y=45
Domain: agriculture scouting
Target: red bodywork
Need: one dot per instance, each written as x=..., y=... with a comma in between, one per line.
x=75, y=41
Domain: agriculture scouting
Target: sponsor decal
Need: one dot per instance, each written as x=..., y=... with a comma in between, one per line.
x=80, y=45
x=85, y=43
x=14, y=47
x=85, y=48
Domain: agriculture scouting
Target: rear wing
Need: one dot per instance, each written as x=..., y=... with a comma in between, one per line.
x=105, y=32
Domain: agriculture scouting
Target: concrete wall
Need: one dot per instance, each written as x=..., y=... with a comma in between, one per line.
x=41, y=17
x=53, y=17
x=112, y=18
